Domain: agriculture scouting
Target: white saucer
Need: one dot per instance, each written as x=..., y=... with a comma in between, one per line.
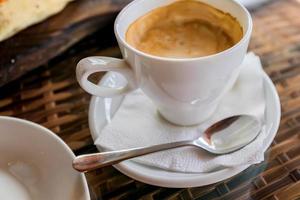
x=102, y=110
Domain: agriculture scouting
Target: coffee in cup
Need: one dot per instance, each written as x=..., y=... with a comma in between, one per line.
x=184, y=29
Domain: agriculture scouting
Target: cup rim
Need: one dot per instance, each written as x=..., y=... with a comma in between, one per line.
x=159, y=58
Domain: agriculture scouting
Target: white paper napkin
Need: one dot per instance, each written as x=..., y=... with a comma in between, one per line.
x=138, y=124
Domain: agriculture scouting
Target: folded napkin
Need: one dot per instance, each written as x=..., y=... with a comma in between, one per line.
x=137, y=124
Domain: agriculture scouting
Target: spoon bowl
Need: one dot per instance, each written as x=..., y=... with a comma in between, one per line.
x=229, y=135
x=223, y=137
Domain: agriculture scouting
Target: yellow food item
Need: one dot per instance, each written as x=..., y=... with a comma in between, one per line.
x=16, y=15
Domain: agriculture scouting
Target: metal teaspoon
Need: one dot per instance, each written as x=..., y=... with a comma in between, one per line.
x=223, y=137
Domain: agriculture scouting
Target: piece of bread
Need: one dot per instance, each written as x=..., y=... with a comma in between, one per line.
x=16, y=15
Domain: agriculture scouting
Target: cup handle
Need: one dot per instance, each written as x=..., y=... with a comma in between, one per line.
x=90, y=65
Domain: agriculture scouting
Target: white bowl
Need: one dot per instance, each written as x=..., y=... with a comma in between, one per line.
x=36, y=164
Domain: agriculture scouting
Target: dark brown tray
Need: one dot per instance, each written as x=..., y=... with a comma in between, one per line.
x=38, y=44
x=50, y=96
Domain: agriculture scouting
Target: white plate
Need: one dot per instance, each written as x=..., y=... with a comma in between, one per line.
x=36, y=164
x=251, y=4
x=102, y=110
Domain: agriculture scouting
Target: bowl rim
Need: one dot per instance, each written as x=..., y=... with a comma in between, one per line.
x=51, y=134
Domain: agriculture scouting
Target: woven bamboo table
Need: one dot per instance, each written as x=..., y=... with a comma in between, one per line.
x=51, y=97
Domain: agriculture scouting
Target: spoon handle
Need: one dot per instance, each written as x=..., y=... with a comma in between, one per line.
x=90, y=162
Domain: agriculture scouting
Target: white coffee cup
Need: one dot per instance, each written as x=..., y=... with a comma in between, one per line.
x=185, y=91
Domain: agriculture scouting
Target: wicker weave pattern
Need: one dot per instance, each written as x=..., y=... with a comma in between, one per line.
x=50, y=96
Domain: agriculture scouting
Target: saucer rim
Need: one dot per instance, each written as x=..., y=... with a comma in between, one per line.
x=183, y=180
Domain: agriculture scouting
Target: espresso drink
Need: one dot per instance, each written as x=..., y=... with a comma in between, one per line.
x=184, y=29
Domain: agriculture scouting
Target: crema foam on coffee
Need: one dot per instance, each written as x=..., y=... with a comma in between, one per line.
x=184, y=29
